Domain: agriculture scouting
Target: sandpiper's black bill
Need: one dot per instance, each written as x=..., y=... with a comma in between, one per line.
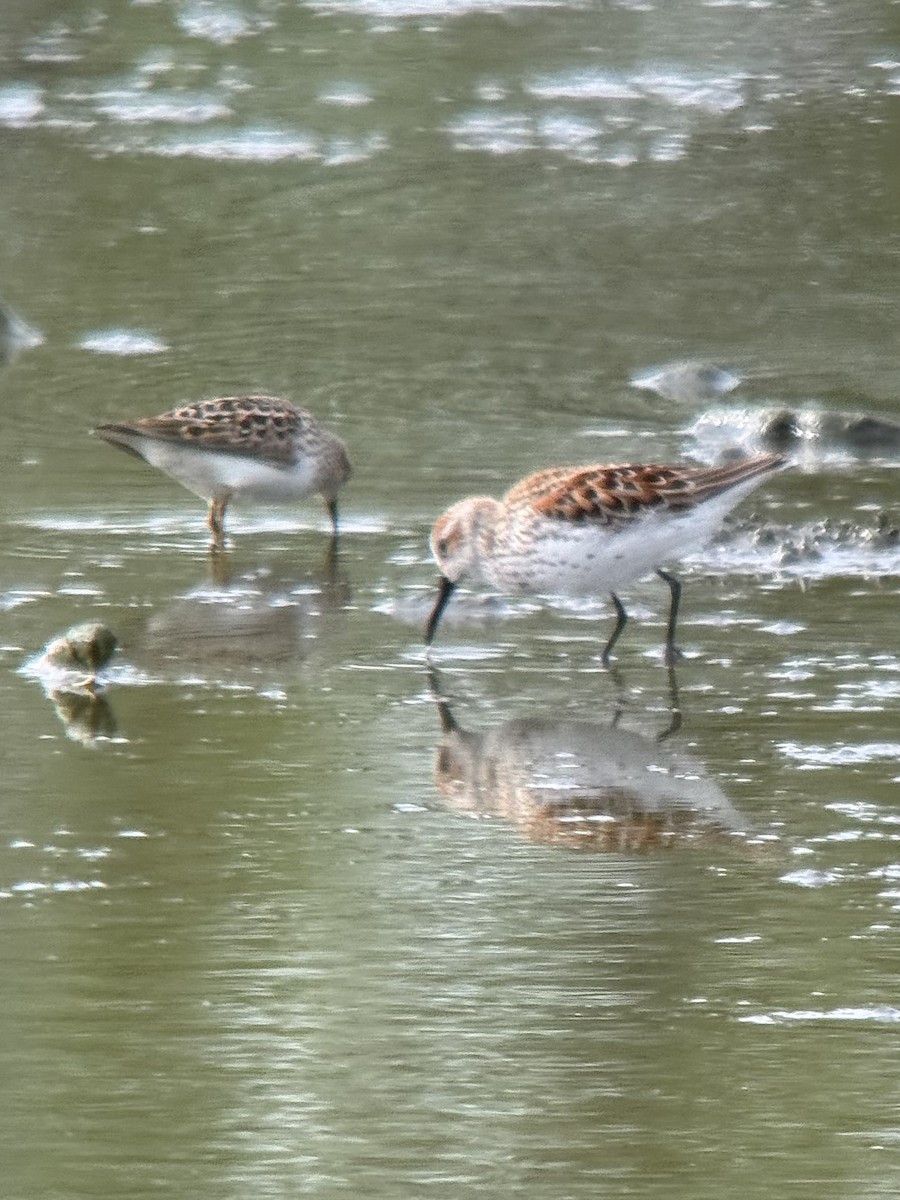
x=444, y=593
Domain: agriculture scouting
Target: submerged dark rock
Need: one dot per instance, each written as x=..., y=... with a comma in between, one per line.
x=808, y=430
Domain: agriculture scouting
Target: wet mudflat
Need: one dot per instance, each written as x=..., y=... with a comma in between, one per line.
x=283, y=910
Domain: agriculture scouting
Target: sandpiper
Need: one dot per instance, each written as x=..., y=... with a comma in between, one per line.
x=583, y=530
x=257, y=448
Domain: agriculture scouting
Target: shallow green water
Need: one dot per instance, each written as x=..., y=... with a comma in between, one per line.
x=314, y=921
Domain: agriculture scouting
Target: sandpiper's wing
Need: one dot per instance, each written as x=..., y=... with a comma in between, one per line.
x=616, y=495
x=258, y=426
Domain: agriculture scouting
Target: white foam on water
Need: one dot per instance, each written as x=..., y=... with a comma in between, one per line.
x=881, y=1014
x=20, y=104
x=841, y=755
x=145, y=108
x=122, y=341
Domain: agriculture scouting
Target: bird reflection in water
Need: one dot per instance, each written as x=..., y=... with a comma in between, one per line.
x=255, y=619
x=582, y=784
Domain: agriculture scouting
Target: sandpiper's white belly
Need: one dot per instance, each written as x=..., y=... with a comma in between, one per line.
x=212, y=474
x=552, y=557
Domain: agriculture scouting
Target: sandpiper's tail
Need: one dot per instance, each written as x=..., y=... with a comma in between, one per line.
x=706, y=482
x=126, y=437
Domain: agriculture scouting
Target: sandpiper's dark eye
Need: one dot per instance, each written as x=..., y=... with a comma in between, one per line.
x=443, y=547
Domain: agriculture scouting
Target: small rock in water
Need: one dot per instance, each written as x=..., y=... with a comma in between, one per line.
x=688, y=382
x=782, y=430
x=84, y=649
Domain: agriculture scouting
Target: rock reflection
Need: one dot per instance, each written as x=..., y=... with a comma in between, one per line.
x=87, y=717
x=581, y=784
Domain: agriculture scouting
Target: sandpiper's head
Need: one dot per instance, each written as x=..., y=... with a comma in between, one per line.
x=459, y=539
x=333, y=468
x=459, y=534
x=333, y=472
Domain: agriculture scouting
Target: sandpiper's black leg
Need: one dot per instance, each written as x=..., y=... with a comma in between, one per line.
x=672, y=651
x=621, y=621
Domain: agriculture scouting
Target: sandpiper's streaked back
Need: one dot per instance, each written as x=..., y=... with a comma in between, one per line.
x=588, y=530
x=257, y=448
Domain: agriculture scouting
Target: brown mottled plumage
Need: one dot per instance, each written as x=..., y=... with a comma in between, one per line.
x=615, y=495
x=262, y=426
